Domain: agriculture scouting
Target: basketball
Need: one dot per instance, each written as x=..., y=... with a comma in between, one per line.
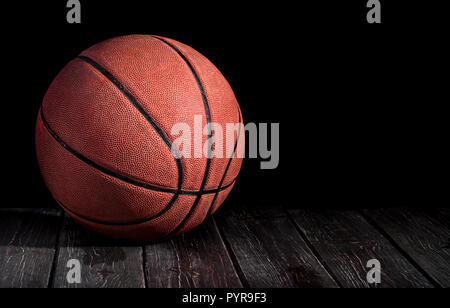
x=105, y=138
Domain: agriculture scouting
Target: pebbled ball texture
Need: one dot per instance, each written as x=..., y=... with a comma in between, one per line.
x=103, y=138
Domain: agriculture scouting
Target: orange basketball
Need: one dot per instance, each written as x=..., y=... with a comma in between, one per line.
x=104, y=141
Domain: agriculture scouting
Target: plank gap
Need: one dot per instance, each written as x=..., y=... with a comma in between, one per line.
x=105, y=262
x=314, y=250
x=270, y=252
x=345, y=242
x=144, y=266
x=233, y=258
x=56, y=255
x=195, y=259
x=404, y=253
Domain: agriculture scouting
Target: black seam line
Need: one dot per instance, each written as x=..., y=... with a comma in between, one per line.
x=208, y=120
x=119, y=176
x=141, y=109
x=226, y=169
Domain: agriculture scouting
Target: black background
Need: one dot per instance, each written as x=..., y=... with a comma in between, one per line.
x=360, y=107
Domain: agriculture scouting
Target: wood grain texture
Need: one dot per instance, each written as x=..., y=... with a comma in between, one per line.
x=346, y=242
x=444, y=216
x=105, y=263
x=197, y=259
x=269, y=251
x=27, y=246
x=421, y=235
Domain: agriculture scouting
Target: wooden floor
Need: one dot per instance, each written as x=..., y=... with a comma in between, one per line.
x=250, y=247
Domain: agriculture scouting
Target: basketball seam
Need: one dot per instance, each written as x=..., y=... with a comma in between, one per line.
x=130, y=223
x=208, y=120
x=226, y=169
x=118, y=175
x=142, y=110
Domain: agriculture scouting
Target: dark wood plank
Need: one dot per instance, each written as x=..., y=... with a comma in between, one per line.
x=346, y=241
x=421, y=235
x=105, y=263
x=27, y=246
x=196, y=259
x=269, y=251
x=444, y=216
